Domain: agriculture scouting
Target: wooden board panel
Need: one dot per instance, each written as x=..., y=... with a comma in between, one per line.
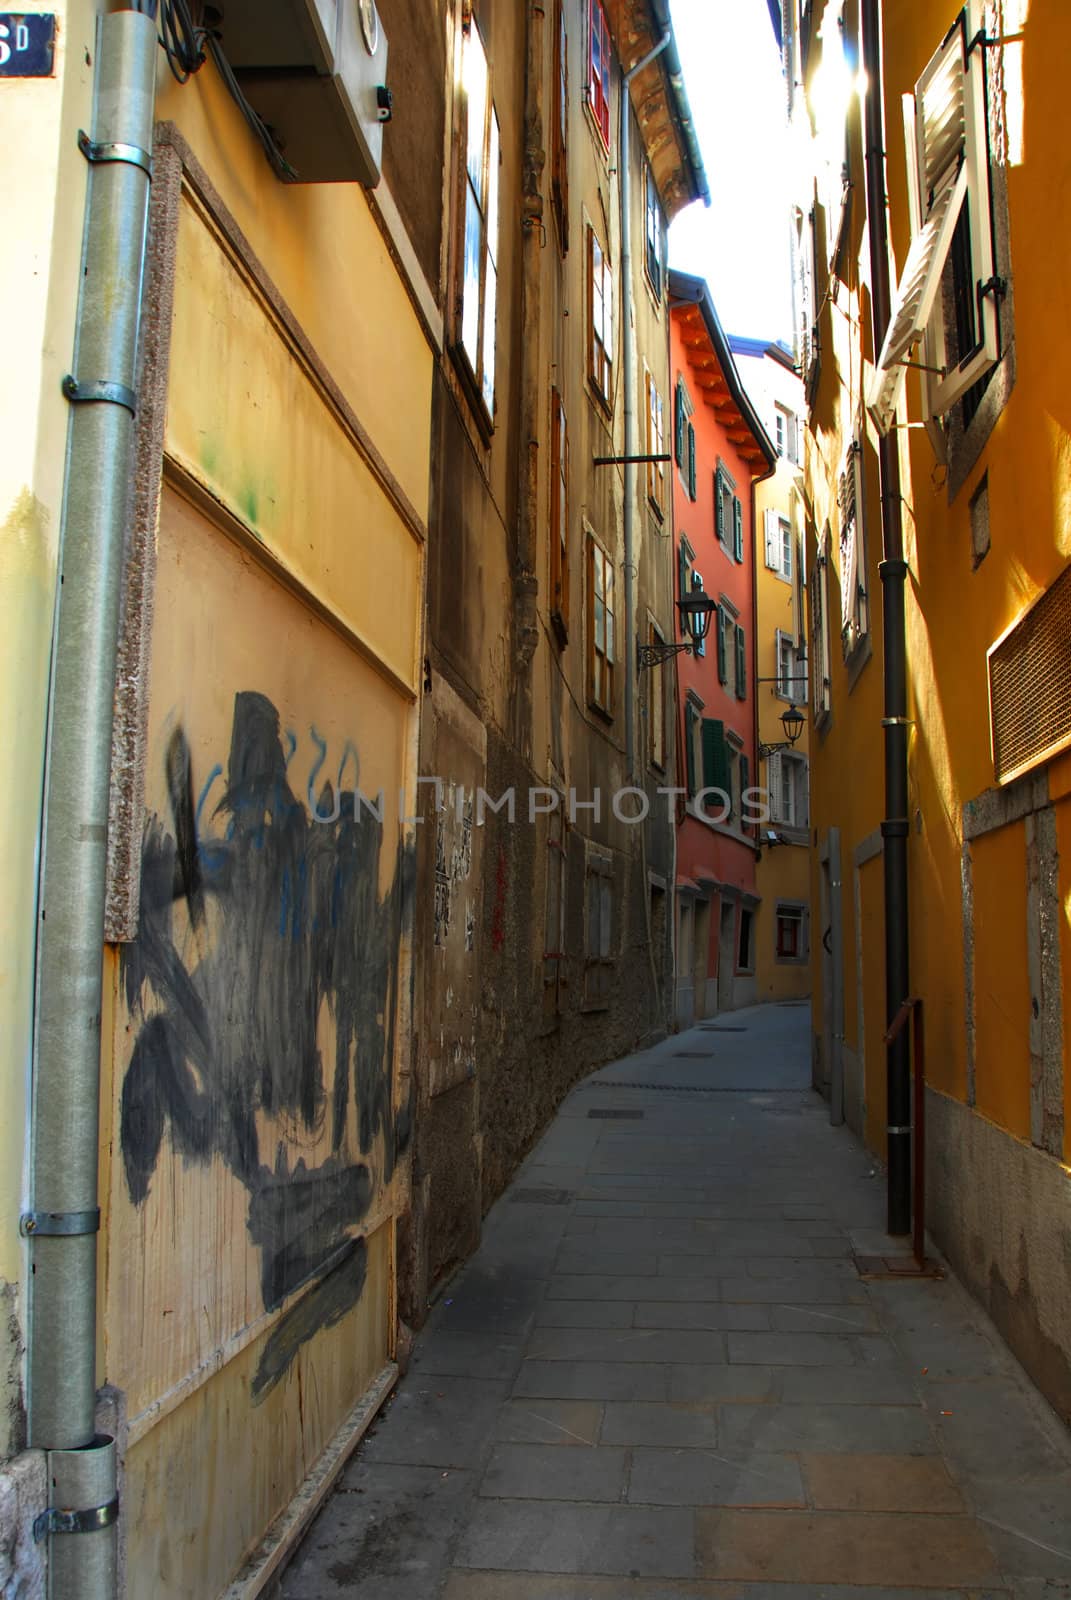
x=255, y=1129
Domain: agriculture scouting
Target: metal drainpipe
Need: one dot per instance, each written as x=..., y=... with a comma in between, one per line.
x=627, y=383
x=62, y=1223
x=533, y=235
x=893, y=570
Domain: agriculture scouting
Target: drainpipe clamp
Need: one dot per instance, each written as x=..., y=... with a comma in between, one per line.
x=92, y=1520
x=59, y=1224
x=116, y=394
x=114, y=150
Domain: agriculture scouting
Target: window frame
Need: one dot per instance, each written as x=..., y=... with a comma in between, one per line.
x=657, y=742
x=796, y=912
x=559, y=517
x=600, y=335
x=598, y=93
x=598, y=962
x=602, y=659
x=852, y=550
x=471, y=358
x=819, y=653
x=653, y=245
x=654, y=410
x=559, y=145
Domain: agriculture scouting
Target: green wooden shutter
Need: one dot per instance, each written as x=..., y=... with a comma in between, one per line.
x=715, y=756
x=678, y=425
x=738, y=529
x=689, y=745
x=723, y=665
x=741, y=665
x=745, y=782
x=682, y=573
x=691, y=461
x=719, y=505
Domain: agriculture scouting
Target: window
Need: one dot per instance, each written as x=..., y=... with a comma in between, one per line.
x=791, y=668
x=722, y=623
x=785, y=433
x=599, y=69
x=741, y=664
x=654, y=234
x=559, y=149
x=598, y=930
x=601, y=629
x=728, y=514
x=684, y=438
x=601, y=330
x=656, y=704
x=778, y=531
x=818, y=597
x=786, y=780
x=554, y=925
x=559, y=517
x=745, y=957
x=717, y=759
x=480, y=212
x=693, y=747
x=949, y=194
x=656, y=445
x=699, y=648
x=791, y=932
x=854, y=607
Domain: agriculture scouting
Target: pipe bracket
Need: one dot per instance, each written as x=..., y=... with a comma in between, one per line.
x=59, y=1224
x=92, y=1520
x=895, y=828
x=908, y=1129
x=111, y=150
x=116, y=394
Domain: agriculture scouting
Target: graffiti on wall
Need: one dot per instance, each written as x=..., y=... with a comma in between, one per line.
x=282, y=918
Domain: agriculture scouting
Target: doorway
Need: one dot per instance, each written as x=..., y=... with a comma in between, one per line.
x=726, y=954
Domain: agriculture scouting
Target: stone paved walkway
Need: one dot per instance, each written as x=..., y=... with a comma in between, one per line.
x=661, y=1376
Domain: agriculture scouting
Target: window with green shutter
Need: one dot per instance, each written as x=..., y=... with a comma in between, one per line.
x=691, y=462
x=682, y=573
x=678, y=424
x=741, y=664
x=691, y=717
x=716, y=757
x=723, y=665
x=719, y=504
x=738, y=529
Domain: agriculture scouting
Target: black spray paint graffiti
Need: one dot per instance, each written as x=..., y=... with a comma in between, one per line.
x=283, y=917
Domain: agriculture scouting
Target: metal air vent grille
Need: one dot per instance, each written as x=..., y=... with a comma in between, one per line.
x=1030, y=684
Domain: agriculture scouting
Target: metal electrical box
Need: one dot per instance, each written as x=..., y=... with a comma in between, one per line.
x=316, y=71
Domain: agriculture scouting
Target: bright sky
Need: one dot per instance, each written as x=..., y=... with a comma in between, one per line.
x=740, y=245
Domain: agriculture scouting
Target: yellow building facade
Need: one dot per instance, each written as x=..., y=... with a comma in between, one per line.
x=783, y=872
x=963, y=398
x=255, y=1012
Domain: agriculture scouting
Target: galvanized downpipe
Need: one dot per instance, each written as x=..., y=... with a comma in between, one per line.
x=533, y=236
x=628, y=386
x=62, y=1220
x=893, y=570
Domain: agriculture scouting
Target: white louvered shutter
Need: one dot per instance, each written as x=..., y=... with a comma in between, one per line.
x=773, y=787
x=849, y=497
x=772, y=525
x=948, y=167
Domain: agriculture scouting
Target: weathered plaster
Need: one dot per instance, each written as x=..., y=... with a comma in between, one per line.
x=23, y=1494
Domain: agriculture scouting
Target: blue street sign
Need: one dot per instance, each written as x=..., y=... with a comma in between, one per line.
x=27, y=44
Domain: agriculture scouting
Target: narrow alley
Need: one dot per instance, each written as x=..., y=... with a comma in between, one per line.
x=662, y=1375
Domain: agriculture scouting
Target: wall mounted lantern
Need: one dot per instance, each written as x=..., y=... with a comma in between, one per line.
x=696, y=611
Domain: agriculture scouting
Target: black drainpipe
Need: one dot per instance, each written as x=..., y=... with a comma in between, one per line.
x=893, y=571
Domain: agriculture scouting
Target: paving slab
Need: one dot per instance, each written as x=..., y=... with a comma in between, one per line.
x=843, y=1547
x=662, y=1378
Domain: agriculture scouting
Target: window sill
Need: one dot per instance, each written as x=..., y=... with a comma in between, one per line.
x=599, y=400
x=471, y=391
x=601, y=712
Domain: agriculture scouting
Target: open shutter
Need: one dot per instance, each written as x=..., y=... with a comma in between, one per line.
x=682, y=574
x=719, y=623
x=691, y=461
x=948, y=168
x=678, y=424
x=772, y=528
x=738, y=529
x=741, y=664
x=848, y=493
x=689, y=745
x=719, y=505
x=715, y=756
x=773, y=787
